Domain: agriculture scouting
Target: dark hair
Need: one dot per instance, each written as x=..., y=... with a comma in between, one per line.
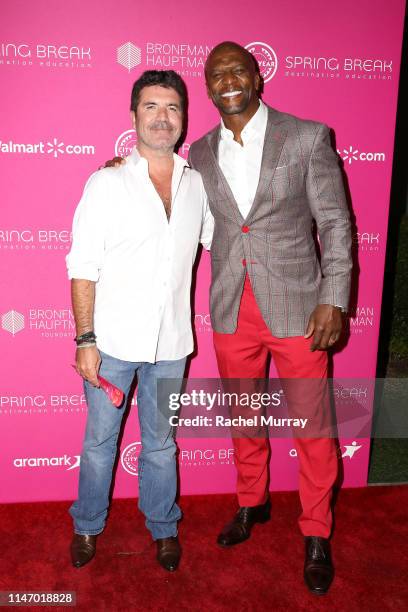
x=163, y=78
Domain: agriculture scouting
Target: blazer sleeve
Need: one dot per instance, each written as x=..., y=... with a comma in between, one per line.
x=190, y=157
x=327, y=200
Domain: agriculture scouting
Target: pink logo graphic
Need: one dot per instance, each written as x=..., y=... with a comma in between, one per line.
x=125, y=143
x=266, y=58
x=12, y=322
x=130, y=457
x=129, y=56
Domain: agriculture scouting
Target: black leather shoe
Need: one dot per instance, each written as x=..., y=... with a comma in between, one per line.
x=319, y=570
x=168, y=553
x=239, y=529
x=83, y=548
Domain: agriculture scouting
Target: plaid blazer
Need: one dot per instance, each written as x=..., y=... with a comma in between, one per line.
x=300, y=180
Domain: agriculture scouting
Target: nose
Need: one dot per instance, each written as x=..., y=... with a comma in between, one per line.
x=229, y=77
x=163, y=113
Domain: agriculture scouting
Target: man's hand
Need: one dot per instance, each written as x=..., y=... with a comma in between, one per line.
x=88, y=361
x=325, y=324
x=114, y=163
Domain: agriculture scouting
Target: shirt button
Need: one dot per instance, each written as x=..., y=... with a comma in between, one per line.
x=245, y=229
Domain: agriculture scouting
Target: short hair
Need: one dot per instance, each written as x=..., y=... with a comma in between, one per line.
x=164, y=78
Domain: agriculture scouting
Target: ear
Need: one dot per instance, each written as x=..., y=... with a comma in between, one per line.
x=133, y=119
x=208, y=91
x=257, y=82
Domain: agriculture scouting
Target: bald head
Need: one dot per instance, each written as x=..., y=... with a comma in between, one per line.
x=229, y=45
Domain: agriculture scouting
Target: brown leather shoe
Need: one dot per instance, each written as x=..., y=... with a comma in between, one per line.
x=83, y=548
x=319, y=570
x=239, y=529
x=168, y=553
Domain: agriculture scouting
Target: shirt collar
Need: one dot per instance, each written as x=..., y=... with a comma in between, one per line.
x=137, y=161
x=255, y=127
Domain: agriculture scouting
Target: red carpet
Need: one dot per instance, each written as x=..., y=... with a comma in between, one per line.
x=265, y=573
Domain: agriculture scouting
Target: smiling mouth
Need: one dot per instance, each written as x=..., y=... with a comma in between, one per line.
x=231, y=94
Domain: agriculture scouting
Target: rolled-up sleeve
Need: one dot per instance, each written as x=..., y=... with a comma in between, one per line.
x=84, y=261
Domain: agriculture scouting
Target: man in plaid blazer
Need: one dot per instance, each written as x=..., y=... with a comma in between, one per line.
x=268, y=175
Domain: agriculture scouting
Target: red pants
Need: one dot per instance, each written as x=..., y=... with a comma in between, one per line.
x=244, y=355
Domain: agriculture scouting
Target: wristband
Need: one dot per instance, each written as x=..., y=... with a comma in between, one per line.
x=86, y=337
x=86, y=344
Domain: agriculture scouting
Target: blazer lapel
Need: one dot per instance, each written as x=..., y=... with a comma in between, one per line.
x=275, y=136
x=222, y=185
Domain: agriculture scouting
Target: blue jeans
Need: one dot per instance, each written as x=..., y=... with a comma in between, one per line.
x=157, y=461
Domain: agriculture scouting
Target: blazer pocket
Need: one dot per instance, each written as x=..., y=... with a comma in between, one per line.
x=288, y=180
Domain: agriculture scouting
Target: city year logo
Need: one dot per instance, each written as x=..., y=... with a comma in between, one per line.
x=129, y=56
x=130, y=458
x=203, y=322
x=12, y=322
x=351, y=154
x=125, y=143
x=266, y=58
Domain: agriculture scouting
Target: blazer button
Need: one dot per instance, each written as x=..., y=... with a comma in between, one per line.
x=245, y=229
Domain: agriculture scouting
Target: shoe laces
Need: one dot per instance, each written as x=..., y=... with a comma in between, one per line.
x=316, y=549
x=243, y=514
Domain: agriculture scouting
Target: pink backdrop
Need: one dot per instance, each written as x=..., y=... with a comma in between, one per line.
x=67, y=71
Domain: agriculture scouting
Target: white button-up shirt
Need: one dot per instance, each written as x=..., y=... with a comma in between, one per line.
x=141, y=262
x=241, y=165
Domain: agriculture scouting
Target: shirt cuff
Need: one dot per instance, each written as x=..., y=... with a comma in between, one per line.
x=83, y=272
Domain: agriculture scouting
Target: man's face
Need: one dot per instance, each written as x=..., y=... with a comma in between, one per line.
x=232, y=82
x=158, y=119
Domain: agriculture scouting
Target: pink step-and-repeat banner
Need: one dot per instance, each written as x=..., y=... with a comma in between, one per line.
x=66, y=70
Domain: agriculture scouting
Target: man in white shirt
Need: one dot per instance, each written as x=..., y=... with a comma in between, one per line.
x=135, y=235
